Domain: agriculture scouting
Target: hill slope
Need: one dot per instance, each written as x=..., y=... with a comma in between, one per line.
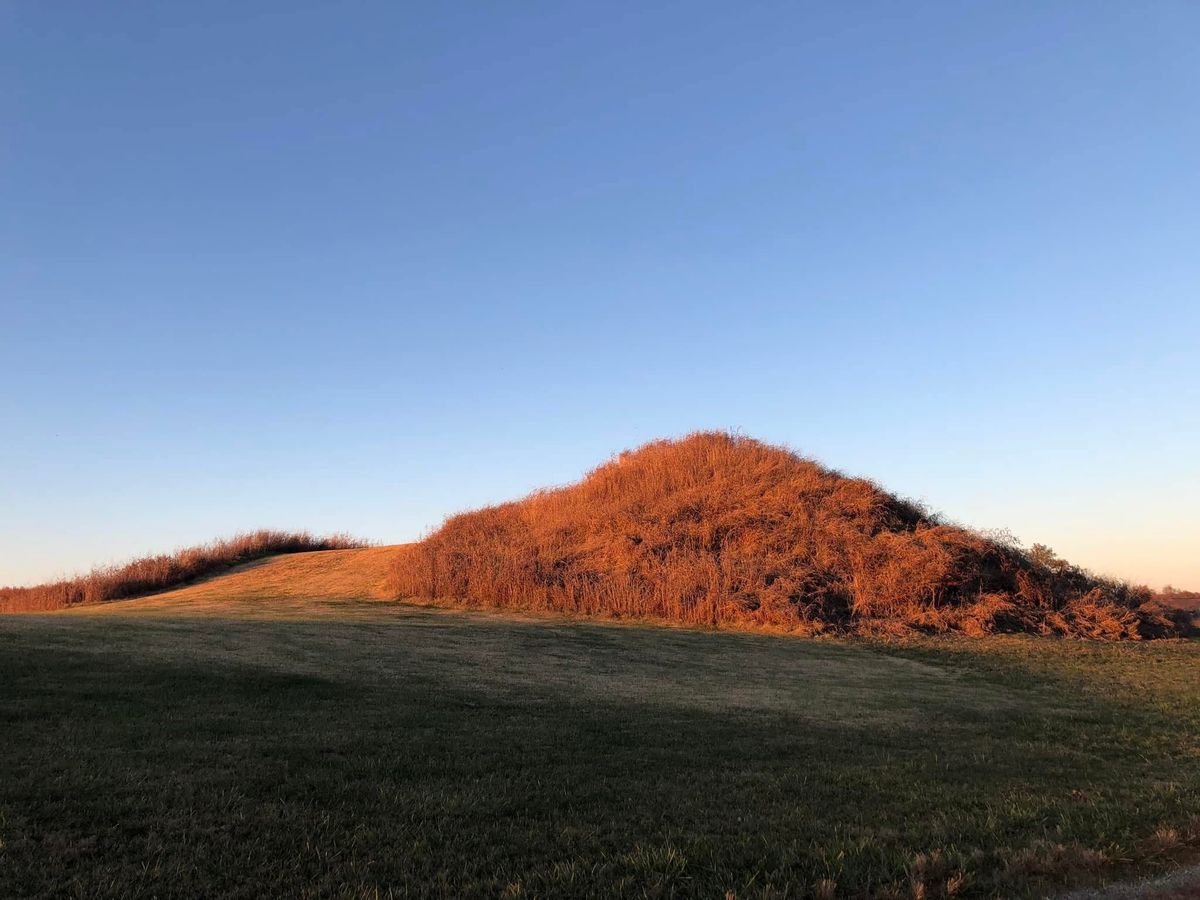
x=718, y=529
x=320, y=575
x=166, y=570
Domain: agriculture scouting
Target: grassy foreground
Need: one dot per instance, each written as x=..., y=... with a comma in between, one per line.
x=364, y=749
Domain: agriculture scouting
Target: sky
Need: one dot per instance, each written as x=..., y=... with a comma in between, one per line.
x=357, y=266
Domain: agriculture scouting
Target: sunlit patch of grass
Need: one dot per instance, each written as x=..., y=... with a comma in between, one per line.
x=165, y=570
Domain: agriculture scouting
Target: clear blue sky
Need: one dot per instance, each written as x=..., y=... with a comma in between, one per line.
x=360, y=265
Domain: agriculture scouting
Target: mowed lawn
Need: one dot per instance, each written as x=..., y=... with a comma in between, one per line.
x=257, y=748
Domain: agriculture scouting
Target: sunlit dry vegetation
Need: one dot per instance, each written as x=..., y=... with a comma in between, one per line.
x=1179, y=598
x=718, y=529
x=166, y=570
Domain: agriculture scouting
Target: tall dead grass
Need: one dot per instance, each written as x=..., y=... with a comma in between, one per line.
x=717, y=529
x=1179, y=599
x=156, y=573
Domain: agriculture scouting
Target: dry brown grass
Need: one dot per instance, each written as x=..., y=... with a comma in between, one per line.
x=157, y=573
x=1189, y=601
x=716, y=529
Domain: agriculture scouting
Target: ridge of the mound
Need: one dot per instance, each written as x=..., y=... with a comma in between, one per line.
x=165, y=571
x=319, y=575
x=720, y=529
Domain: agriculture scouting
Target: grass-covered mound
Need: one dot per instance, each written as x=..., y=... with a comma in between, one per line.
x=723, y=530
x=165, y=570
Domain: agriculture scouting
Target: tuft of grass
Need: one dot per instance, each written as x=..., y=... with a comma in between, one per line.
x=721, y=530
x=159, y=572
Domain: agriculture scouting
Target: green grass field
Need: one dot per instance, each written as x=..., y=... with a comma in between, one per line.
x=368, y=749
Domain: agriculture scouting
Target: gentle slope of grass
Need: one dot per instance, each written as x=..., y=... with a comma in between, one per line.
x=244, y=741
x=165, y=570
